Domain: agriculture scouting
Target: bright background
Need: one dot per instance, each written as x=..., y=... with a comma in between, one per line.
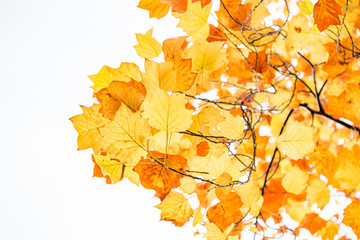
x=47, y=49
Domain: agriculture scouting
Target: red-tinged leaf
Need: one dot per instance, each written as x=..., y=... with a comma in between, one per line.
x=160, y=174
x=326, y=13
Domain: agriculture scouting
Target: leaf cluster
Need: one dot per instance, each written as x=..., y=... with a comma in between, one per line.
x=240, y=126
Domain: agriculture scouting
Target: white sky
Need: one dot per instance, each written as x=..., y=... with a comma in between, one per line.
x=47, y=49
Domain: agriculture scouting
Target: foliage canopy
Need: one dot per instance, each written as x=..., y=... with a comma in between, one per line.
x=240, y=126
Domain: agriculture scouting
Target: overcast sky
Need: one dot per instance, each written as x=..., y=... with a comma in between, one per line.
x=47, y=49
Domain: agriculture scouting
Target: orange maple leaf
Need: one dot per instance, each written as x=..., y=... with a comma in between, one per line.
x=326, y=13
x=159, y=173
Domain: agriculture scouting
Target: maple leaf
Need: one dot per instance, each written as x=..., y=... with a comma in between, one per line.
x=132, y=94
x=160, y=173
x=167, y=112
x=126, y=135
x=295, y=181
x=148, y=47
x=106, y=75
x=227, y=211
x=113, y=168
x=326, y=13
x=156, y=8
x=175, y=208
x=206, y=56
x=296, y=140
x=88, y=125
x=194, y=20
x=214, y=233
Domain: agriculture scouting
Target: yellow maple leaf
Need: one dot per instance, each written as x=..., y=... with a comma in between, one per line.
x=295, y=181
x=106, y=75
x=175, y=208
x=114, y=169
x=207, y=56
x=296, y=140
x=159, y=75
x=194, y=20
x=214, y=233
x=126, y=135
x=188, y=185
x=155, y=7
x=232, y=127
x=148, y=47
x=318, y=193
x=88, y=125
x=167, y=112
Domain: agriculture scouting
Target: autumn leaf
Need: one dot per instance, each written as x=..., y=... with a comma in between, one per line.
x=132, y=94
x=112, y=168
x=206, y=56
x=326, y=13
x=175, y=208
x=156, y=8
x=159, y=173
x=319, y=193
x=214, y=233
x=194, y=20
x=167, y=112
x=227, y=211
x=126, y=135
x=88, y=125
x=296, y=140
x=148, y=47
x=295, y=181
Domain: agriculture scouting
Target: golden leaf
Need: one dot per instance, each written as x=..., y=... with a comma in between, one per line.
x=194, y=20
x=156, y=8
x=295, y=181
x=167, y=112
x=126, y=135
x=88, y=125
x=206, y=56
x=176, y=209
x=148, y=47
x=296, y=140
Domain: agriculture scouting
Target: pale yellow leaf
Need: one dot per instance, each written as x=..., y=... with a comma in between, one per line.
x=295, y=181
x=194, y=20
x=175, y=208
x=296, y=140
x=318, y=193
x=232, y=127
x=126, y=135
x=198, y=217
x=114, y=169
x=214, y=233
x=167, y=112
x=188, y=185
x=88, y=125
x=159, y=75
